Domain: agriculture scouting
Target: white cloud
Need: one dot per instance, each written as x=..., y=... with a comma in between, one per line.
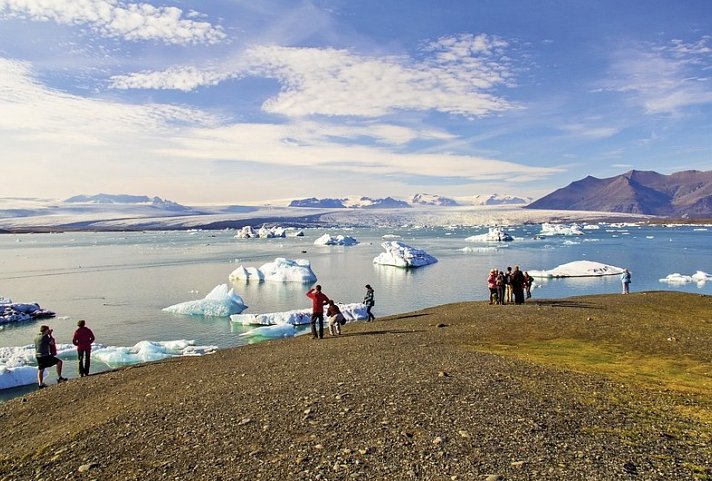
x=665, y=79
x=113, y=18
x=57, y=139
x=456, y=76
x=586, y=131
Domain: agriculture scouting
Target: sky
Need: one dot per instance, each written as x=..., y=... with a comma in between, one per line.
x=233, y=101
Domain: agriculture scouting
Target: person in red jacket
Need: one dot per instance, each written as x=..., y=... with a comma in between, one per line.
x=319, y=300
x=83, y=337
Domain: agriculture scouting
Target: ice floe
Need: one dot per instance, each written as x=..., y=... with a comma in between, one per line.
x=296, y=317
x=279, y=270
x=338, y=240
x=495, y=234
x=578, y=269
x=401, y=255
x=548, y=229
x=264, y=232
x=221, y=302
x=146, y=351
x=699, y=277
x=21, y=312
x=18, y=365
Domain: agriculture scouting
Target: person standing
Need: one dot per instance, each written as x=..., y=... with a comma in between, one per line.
x=508, y=285
x=528, y=282
x=83, y=337
x=625, y=280
x=500, y=287
x=319, y=300
x=44, y=348
x=517, y=283
x=492, y=285
x=369, y=301
x=335, y=317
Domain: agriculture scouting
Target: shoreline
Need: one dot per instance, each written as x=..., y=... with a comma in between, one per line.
x=454, y=390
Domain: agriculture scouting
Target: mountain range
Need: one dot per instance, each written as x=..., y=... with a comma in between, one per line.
x=686, y=194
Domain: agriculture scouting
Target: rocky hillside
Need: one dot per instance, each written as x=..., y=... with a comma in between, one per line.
x=686, y=194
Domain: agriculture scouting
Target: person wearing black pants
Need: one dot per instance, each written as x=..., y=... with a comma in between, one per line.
x=369, y=301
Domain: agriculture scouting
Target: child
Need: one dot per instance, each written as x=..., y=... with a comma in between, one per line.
x=335, y=317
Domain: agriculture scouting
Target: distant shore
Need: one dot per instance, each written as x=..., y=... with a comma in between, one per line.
x=597, y=387
x=132, y=220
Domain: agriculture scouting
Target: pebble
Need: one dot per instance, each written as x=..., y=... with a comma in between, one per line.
x=86, y=467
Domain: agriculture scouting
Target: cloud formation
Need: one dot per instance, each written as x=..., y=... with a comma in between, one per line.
x=113, y=18
x=456, y=76
x=665, y=79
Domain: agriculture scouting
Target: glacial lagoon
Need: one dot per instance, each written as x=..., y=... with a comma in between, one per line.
x=120, y=282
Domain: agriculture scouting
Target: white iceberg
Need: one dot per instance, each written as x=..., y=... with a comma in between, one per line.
x=339, y=240
x=296, y=317
x=146, y=351
x=18, y=365
x=401, y=255
x=280, y=270
x=247, y=232
x=579, y=269
x=495, y=234
x=271, y=332
x=264, y=232
x=548, y=229
x=221, y=302
x=699, y=277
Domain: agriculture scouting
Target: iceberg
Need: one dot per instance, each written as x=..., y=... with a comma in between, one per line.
x=354, y=311
x=221, y=302
x=339, y=240
x=280, y=270
x=146, y=351
x=18, y=365
x=264, y=232
x=699, y=277
x=21, y=312
x=548, y=229
x=579, y=269
x=495, y=234
x=401, y=255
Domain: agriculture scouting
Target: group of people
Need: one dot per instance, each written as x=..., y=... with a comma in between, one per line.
x=334, y=315
x=46, y=352
x=510, y=285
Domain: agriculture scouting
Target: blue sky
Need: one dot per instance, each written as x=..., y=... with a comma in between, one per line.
x=232, y=101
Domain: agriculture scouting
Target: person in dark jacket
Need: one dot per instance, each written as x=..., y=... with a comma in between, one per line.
x=319, y=300
x=83, y=337
x=44, y=349
x=369, y=301
x=518, y=283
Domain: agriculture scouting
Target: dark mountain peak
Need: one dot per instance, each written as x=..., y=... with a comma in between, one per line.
x=683, y=194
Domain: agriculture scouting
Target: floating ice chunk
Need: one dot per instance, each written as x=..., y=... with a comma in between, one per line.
x=476, y=250
x=280, y=270
x=221, y=302
x=548, y=229
x=264, y=232
x=591, y=227
x=271, y=332
x=296, y=317
x=495, y=234
x=21, y=312
x=339, y=240
x=579, y=269
x=390, y=236
x=699, y=277
x=401, y=255
x=247, y=232
x=146, y=351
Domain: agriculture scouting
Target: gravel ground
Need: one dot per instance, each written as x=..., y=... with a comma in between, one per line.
x=406, y=397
